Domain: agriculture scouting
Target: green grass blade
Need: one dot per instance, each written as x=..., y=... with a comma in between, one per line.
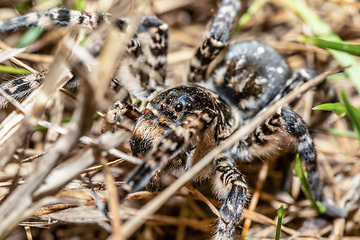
x=278, y=227
x=22, y=6
x=353, y=113
x=254, y=8
x=344, y=47
x=299, y=169
x=343, y=133
x=80, y=5
x=13, y=70
x=29, y=37
x=322, y=30
x=337, y=108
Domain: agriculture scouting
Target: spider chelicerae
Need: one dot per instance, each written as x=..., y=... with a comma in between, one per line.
x=181, y=124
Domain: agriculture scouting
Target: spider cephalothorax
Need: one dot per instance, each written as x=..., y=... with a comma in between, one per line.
x=181, y=124
x=170, y=108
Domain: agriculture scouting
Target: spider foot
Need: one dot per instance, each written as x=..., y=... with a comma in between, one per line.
x=305, y=148
x=230, y=185
x=115, y=115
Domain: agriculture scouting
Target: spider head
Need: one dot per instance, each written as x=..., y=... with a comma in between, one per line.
x=166, y=111
x=177, y=103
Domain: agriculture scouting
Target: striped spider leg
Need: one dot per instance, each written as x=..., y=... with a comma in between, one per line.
x=140, y=71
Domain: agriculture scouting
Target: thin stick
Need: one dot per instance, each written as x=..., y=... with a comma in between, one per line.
x=28, y=233
x=99, y=167
x=113, y=200
x=255, y=198
x=16, y=61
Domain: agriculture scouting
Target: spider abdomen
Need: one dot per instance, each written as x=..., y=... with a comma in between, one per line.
x=251, y=75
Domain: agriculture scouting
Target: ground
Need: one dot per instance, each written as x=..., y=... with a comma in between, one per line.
x=186, y=215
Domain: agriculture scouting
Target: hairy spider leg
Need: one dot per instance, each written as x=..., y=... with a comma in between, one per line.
x=169, y=146
x=144, y=71
x=56, y=17
x=144, y=63
x=216, y=39
x=230, y=186
x=282, y=129
x=115, y=115
x=21, y=87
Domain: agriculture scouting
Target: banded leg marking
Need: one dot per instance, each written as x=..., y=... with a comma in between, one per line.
x=170, y=146
x=145, y=63
x=144, y=70
x=229, y=185
x=289, y=126
x=21, y=87
x=216, y=39
x=267, y=138
x=56, y=17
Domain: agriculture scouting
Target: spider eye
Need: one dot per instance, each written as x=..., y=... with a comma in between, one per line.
x=188, y=105
x=168, y=100
x=179, y=107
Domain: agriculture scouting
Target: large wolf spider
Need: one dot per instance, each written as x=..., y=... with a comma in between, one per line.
x=181, y=124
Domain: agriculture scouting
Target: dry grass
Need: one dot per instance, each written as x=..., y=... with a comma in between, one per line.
x=44, y=176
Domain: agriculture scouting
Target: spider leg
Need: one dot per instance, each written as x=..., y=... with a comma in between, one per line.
x=322, y=93
x=301, y=76
x=144, y=70
x=297, y=128
x=56, y=17
x=115, y=115
x=153, y=36
x=296, y=80
x=21, y=87
x=171, y=145
x=287, y=127
x=229, y=184
x=141, y=70
x=215, y=41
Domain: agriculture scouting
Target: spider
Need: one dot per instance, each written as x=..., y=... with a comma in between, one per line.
x=181, y=124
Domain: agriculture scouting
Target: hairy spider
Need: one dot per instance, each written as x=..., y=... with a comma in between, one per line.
x=181, y=124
